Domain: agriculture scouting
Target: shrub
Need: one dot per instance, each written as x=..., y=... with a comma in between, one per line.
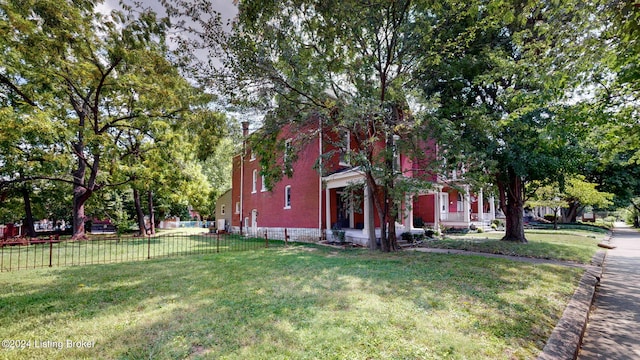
x=418, y=222
x=550, y=217
x=480, y=230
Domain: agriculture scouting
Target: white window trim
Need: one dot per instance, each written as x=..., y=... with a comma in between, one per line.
x=238, y=207
x=252, y=155
x=287, y=197
x=264, y=185
x=254, y=182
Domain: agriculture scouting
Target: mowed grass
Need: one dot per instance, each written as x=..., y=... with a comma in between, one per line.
x=566, y=245
x=300, y=302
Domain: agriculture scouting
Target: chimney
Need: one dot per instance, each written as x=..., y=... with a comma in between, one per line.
x=245, y=128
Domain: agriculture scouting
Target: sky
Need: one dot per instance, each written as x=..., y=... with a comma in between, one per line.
x=228, y=11
x=225, y=7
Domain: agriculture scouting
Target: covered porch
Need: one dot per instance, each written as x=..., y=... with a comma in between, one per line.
x=344, y=216
x=453, y=208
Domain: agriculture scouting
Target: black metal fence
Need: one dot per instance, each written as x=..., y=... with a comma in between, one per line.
x=20, y=254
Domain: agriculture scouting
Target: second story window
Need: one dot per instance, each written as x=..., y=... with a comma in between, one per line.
x=254, y=181
x=264, y=184
x=287, y=157
x=287, y=197
x=287, y=151
x=344, y=153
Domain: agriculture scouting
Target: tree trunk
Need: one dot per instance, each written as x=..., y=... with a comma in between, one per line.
x=514, y=227
x=373, y=244
x=571, y=213
x=152, y=216
x=81, y=193
x=392, y=212
x=392, y=237
x=636, y=217
x=30, y=230
x=384, y=243
x=79, y=199
x=142, y=229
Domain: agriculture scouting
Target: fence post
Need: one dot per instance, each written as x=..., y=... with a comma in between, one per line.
x=50, y=251
x=148, y=246
x=286, y=237
x=266, y=239
x=217, y=242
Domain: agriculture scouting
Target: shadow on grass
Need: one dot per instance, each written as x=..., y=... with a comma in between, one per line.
x=290, y=302
x=569, y=251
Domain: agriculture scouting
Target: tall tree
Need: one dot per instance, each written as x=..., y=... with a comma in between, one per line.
x=94, y=75
x=503, y=115
x=615, y=74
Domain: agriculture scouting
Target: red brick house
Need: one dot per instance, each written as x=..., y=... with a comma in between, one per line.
x=311, y=203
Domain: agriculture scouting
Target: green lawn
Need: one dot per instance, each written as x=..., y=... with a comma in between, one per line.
x=301, y=302
x=567, y=245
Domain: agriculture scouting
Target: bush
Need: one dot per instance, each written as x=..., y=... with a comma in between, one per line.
x=550, y=217
x=480, y=230
x=418, y=222
x=411, y=237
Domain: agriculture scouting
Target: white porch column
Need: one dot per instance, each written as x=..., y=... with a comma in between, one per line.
x=408, y=213
x=436, y=212
x=492, y=208
x=352, y=221
x=481, y=207
x=327, y=212
x=466, y=205
x=367, y=214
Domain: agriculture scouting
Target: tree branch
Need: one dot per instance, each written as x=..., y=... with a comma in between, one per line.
x=5, y=80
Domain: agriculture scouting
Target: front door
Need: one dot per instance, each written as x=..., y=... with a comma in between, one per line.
x=254, y=221
x=344, y=218
x=444, y=205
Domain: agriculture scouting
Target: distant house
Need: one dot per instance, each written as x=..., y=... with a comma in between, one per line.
x=224, y=211
x=310, y=203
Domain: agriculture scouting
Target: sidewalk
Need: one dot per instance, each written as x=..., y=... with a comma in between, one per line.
x=613, y=331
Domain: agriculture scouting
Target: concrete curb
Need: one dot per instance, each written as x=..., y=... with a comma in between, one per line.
x=566, y=337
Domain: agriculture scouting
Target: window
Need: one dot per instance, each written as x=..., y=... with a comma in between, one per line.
x=287, y=197
x=344, y=153
x=287, y=151
x=222, y=210
x=238, y=207
x=254, y=181
x=396, y=154
x=252, y=155
x=264, y=184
